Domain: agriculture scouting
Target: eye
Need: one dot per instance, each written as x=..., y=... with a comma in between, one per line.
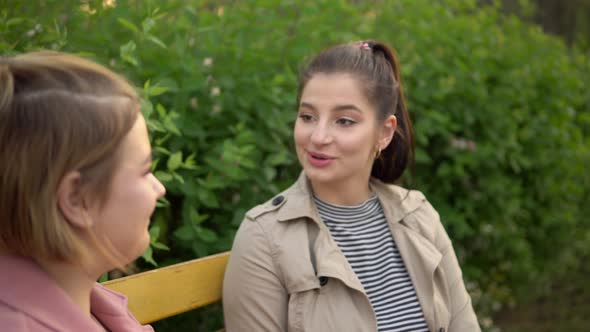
x=345, y=122
x=305, y=117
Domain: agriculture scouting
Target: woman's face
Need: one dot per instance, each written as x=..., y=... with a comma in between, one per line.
x=125, y=216
x=337, y=132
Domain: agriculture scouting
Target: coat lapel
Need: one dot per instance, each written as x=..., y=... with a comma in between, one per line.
x=421, y=259
x=329, y=259
x=111, y=309
x=420, y=256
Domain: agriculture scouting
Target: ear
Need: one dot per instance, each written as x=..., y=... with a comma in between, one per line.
x=71, y=201
x=387, y=130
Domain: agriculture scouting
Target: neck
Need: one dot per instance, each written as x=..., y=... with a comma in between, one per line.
x=342, y=193
x=73, y=279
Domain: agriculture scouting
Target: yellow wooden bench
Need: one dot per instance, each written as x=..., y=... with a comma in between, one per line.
x=171, y=290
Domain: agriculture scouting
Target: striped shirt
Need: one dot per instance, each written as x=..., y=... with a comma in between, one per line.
x=362, y=234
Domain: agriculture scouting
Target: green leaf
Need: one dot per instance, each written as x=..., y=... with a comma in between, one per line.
x=148, y=24
x=162, y=202
x=127, y=53
x=197, y=218
x=161, y=149
x=155, y=125
x=146, y=107
x=129, y=25
x=208, y=198
x=171, y=126
x=161, y=110
x=276, y=159
x=174, y=161
x=154, y=232
x=156, y=41
x=206, y=235
x=157, y=90
x=163, y=176
x=104, y=277
x=15, y=21
x=178, y=177
x=185, y=233
x=148, y=256
x=160, y=246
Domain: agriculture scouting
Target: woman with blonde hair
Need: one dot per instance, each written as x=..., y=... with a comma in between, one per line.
x=345, y=248
x=76, y=192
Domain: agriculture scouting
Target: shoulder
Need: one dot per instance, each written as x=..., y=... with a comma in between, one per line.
x=275, y=221
x=403, y=202
x=11, y=319
x=15, y=320
x=271, y=206
x=259, y=224
x=292, y=203
x=420, y=216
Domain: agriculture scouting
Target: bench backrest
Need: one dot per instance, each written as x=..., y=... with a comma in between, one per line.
x=171, y=290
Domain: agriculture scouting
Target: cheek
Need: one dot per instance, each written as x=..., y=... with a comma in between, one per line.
x=359, y=144
x=137, y=198
x=299, y=134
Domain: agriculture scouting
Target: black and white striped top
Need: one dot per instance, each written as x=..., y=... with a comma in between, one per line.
x=363, y=235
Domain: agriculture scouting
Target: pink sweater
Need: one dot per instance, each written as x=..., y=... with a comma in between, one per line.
x=31, y=301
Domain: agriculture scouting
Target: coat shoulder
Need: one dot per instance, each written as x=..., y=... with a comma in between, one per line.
x=420, y=215
x=12, y=319
x=269, y=209
x=271, y=205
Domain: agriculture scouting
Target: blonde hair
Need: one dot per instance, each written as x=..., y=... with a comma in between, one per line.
x=58, y=113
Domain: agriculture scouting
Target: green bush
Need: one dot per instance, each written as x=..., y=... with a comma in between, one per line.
x=501, y=112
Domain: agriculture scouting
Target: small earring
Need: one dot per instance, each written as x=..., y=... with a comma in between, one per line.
x=378, y=153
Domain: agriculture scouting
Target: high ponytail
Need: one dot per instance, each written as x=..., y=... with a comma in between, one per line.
x=399, y=154
x=376, y=65
x=7, y=84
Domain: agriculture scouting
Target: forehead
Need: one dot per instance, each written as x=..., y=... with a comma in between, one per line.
x=334, y=89
x=136, y=145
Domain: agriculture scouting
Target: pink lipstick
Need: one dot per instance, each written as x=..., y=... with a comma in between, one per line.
x=319, y=160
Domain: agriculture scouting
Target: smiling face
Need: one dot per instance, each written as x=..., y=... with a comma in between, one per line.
x=124, y=218
x=337, y=132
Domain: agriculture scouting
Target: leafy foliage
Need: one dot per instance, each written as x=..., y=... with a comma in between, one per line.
x=501, y=111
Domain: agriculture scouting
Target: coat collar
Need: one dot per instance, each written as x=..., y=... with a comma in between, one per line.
x=111, y=308
x=397, y=202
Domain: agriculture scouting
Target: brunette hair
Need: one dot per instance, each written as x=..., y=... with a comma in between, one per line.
x=58, y=113
x=377, y=68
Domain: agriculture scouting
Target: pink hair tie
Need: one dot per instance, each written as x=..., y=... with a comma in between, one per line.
x=363, y=45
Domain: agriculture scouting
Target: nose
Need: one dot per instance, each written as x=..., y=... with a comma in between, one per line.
x=159, y=187
x=321, y=134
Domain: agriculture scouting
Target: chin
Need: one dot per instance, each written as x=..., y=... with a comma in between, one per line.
x=138, y=249
x=143, y=244
x=319, y=176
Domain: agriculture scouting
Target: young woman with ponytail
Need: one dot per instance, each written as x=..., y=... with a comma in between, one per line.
x=344, y=248
x=76, y=193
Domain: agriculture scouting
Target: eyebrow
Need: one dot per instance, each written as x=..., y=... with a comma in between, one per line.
x=346, y=107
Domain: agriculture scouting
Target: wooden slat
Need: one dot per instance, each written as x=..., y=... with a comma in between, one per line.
x=171, y=290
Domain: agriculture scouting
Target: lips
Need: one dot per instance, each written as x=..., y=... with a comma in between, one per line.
x=319, y=160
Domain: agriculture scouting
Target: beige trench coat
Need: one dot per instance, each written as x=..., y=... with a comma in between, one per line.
x=286, y=273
